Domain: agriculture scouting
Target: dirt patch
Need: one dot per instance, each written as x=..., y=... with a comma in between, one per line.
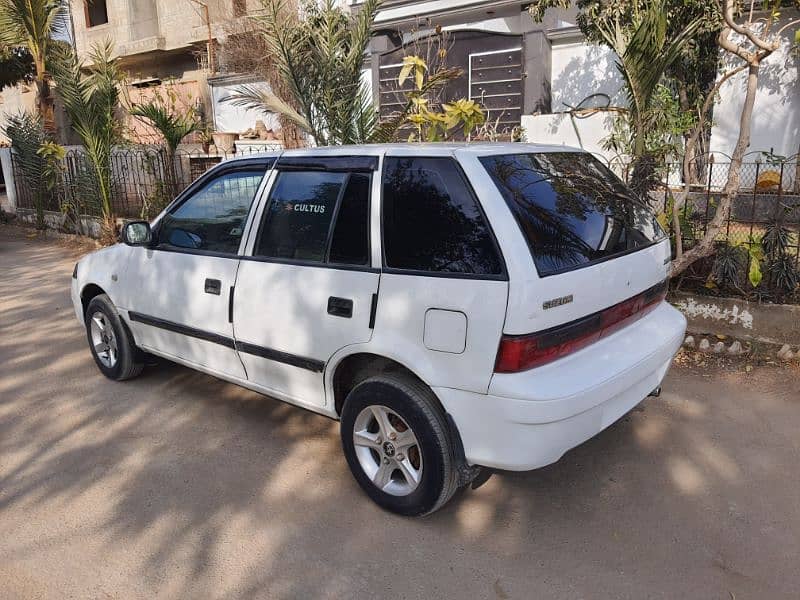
x=755, y=355
x=75, y=245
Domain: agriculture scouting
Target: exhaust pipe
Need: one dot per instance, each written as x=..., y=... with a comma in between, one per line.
x=656, y=392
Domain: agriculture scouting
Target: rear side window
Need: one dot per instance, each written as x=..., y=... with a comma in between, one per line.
x=432, y=221
x=317, y=216
x=573, y=211
x=350, y=238
x=212, y=218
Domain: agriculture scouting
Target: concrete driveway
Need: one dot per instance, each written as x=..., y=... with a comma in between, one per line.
x=176, y=485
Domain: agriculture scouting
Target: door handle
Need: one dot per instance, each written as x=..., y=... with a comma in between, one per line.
x=340, y=307
x=213, y=286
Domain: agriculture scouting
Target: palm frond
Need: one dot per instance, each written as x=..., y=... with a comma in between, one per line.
x=248, y=96
x=172, y=127
x=26, y=132
x=32, y=23
x=648, y=53
x=319, y=60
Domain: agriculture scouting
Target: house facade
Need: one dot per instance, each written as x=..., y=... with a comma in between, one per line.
x=532, y=75
x=166, y=42
x=505, y=57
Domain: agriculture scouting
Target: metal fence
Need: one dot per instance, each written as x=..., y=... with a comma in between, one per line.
x=143, y=180
x=769, y=194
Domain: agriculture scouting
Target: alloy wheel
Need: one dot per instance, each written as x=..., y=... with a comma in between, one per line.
x=104, y=342
x=387, y=450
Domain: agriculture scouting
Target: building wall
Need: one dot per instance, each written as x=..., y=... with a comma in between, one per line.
x=579, y=71
x=141, y=26
x=14, y=100
x=162, y=42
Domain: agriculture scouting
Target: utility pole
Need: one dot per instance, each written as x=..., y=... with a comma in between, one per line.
x=212, y=59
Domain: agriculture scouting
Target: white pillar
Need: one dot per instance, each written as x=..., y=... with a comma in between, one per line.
x=10, y=204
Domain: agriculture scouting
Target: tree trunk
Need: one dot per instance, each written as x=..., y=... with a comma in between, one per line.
x=44, y=97
x=706, y=246
x=690, y=168
x=639, y=146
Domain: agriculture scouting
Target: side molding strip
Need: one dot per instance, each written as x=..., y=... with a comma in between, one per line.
x=302, y=362
x=310, y=364
x=182, y=329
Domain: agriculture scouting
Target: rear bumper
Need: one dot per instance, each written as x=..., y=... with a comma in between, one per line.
x=530, y=419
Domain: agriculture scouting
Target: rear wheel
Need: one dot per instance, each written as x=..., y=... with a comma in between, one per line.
x=110, y=342
x=397, y=444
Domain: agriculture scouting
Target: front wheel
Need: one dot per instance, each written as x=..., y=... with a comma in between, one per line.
x=397, y=444
x=111, y=344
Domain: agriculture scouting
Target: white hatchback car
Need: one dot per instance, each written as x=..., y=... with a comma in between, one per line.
x=455, y=306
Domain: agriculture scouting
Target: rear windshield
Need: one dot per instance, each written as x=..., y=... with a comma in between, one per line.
x=572, y=209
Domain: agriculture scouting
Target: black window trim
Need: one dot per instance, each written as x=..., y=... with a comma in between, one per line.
x=502, y=276
x=598, y=261
x=325, y=263
x=519, y=225
x=332, y=227
x=253, y=165
x=309, y=263
x=335, y=219
x=331, y=164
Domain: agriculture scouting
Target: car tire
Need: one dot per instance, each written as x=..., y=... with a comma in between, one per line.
x=377, y=416
x=110, y=342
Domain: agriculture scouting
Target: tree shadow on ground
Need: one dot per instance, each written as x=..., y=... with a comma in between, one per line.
x=176, y=484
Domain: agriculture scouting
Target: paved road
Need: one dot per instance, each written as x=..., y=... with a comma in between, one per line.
x=176, y=485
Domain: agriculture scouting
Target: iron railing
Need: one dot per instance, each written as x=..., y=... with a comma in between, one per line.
x=143, y=179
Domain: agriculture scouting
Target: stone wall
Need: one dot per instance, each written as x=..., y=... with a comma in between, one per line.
x=772, y=323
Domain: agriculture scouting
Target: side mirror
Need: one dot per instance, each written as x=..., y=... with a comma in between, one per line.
x=137, y=233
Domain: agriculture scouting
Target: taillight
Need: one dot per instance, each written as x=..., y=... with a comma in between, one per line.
x=522, y=352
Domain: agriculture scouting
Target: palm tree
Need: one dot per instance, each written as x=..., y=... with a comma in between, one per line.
x=644, y=53
x=27, y=135
x=34, y=25
x=90, y=94
x=318, y=62
x=173, y=127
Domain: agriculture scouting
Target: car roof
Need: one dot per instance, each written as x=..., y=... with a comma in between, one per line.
x=416, y=149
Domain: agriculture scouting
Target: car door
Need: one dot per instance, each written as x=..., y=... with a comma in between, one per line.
x=305, y=285
x=179, y=290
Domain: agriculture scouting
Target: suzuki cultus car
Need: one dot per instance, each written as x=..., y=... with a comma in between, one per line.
x=454, y=306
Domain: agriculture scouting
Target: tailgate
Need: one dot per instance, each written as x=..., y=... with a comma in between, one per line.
x=575, y=294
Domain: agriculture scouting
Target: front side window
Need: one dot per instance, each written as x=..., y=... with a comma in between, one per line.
x=572, y=210
x=432, y=221
x=317, y=216
x=213, y=218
